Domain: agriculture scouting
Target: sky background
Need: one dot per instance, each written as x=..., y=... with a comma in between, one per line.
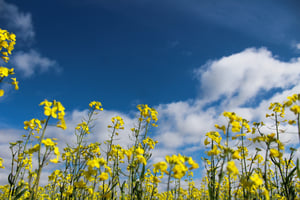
x=191, y=60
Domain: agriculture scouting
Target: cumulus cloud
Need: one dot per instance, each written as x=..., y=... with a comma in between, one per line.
x=232, y=83
x=240, y=77
x=30, y=62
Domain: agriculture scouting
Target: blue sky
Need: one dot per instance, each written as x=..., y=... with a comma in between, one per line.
x=189, y=59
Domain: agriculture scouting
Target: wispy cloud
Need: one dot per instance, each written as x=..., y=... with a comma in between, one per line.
x=19, y=22
x=270, y=21
x=29, y=61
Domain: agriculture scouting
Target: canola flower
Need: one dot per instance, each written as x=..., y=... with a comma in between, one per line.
x=257, y=166
x=7, y=42
x=234, y=172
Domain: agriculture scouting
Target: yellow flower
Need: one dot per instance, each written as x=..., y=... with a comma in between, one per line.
x=56, y=151
x=291, y=122
x=150, y=142
x=3, y=72
x=93, y=163
x=231, y=168
x=84, y=127
x=275, y=153
x=223, y=128
x=215, y=136
x=1, y=165
x=12, y=37
x=128, y=153
x=50, y=111
x=56, y=110
x=46, y=103
x=266, y=193
x=35, y=148
x=206, y=141
x=141, y=159
x=62, y=124
x=179, y=170
x=96, y=104
x=103, y=176
x=236, y=155
x=214, y=151
x=54, y=160
x=256, y=180
x=193, y=164
x=156, y=180
x=148, y=113
x=118, y=122
x=259, y=158
x=80, y=184
x=48, y=142
x=162, y=166
x=295, y=109
x=236, y=126
x=33, y=124
x=139, y=150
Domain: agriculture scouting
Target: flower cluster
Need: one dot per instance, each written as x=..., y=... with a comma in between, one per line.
x=7, y=42
x=56, y=110
x=148, y=114
x=242, y=163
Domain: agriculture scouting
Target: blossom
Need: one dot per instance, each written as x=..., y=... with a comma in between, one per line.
x=295, y=109
x=48, y=142
x=236, y=155
x=1, y=165
x=103, y=176
x=275, y=153
x=56, y=110
x=93, y=163
x=162, y=166
x=256, y=180
x=231, y=168
x=97, y=105
x=193, y=164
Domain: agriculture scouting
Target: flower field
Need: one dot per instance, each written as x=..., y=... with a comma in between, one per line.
x=243, y=160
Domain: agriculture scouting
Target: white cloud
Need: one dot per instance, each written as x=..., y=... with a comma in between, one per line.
x=231, y=82
x=19, y=22
x=31, y=62
x=239, y=78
